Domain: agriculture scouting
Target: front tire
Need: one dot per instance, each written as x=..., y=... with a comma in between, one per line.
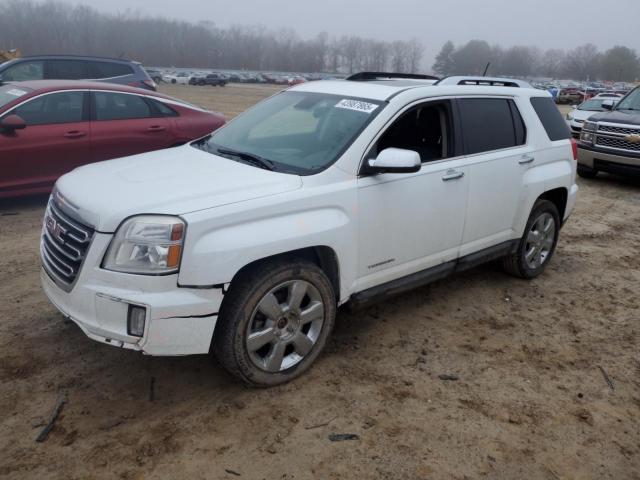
x=274, y=322
x=537, y=244
x=587, y=172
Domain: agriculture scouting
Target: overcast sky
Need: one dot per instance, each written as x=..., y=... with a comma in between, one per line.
x=545, y=23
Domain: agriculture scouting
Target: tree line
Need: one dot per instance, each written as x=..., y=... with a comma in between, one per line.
x=586, y=62
x=55, y=27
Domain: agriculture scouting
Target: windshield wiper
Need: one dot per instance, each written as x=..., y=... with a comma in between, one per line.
x=250, y=157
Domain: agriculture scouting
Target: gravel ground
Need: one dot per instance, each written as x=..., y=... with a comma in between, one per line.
x=529, y=400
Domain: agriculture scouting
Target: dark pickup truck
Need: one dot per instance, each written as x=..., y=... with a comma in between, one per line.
x=213, y=79
x=610, y=141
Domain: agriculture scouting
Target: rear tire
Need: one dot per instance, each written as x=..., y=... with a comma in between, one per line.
x=587, y=172
x=274, y=322
x=538, y=243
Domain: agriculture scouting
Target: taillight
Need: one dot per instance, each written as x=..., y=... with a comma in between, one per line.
x=144, y=84
x=150, y=83
x=574, y=147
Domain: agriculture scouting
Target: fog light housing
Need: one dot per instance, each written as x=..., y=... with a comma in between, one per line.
x=136, y=318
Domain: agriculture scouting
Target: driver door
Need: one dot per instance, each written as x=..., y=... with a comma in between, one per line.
x=55, y=141
x=409, y=222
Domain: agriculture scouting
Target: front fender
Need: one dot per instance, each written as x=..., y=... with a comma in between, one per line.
x=215, y=253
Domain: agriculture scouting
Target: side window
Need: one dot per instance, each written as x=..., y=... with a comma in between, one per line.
x=551, y=119
x=66, y=69
x=488, y=124
x=24, y=71
x=109, y=69
x=120, y=106
x=63, y=107
x=424, y=129
x=164, y=109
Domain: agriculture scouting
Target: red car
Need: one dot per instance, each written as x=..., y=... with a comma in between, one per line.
x=50, y=127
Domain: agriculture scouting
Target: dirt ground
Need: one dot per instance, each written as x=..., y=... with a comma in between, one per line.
x=530, y=400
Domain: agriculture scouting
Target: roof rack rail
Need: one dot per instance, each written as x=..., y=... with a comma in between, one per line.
x=368, y=76
x=484, y=81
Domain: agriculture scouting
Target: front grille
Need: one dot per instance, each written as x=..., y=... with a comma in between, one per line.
x=617, y=143
x=63, y=246
x=619, y=130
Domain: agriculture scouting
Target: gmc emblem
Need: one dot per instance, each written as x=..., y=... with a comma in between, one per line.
x=54, y=228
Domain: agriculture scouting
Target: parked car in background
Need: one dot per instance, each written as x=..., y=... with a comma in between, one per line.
x=609, y=95
x=569, y=96
x=244, y=243
x=50, y=127
x=582, y=112
x=295, y=80
x=74, y=67
x=180, y=78
x=156, y=75
x=610, y=141
x=213, y=79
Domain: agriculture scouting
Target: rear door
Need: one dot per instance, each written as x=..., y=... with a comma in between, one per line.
x=125, y=124
x=55, y=141
x=497, y=156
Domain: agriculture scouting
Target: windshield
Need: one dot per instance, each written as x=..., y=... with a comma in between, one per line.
x=594, y=105
x=8, y=93
x=293, y=132
x=631, y=101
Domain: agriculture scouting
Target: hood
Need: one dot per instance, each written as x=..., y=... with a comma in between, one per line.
x=618, y=116
x=172, y=181
x=582, y=114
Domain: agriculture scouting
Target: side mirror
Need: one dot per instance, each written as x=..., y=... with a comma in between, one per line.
x=11, y=123
x=574, y=107
x=607, y=105
x=395, y=160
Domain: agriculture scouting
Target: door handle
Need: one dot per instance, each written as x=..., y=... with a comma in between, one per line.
x=526, y=159
x=75, y=134
x=155, y=128
x=452, y=175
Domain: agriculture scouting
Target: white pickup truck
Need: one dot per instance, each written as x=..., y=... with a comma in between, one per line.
x=244, y=243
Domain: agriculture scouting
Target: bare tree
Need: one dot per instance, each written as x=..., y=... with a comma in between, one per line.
x=55, y=27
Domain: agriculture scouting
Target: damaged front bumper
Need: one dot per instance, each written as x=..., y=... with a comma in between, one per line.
x=178, y=321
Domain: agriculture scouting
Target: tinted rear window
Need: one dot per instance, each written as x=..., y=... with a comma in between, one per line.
x=488, y=124
x=110, y=69
x=551, y=119
x=120, y=106
x=66, y=70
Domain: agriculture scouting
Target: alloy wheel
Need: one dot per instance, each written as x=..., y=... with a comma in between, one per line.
x=285, y=326
x=540, y=240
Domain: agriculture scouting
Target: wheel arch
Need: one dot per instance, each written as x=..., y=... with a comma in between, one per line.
x=321, y=255
x=557, y=196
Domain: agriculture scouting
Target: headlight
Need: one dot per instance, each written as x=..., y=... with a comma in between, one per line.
x=587, y=137
x=147, y=244
x=569, y=116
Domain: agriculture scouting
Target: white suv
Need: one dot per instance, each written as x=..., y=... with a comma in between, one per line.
x=244, y=243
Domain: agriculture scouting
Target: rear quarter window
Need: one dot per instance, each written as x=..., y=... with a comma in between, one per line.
x=551, y=119
x=110, y=69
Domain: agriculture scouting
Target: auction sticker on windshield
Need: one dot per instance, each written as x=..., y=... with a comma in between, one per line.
x=357, y=105
x=15, y=92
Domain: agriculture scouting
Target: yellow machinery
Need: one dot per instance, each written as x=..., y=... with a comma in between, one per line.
x=9, y=54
